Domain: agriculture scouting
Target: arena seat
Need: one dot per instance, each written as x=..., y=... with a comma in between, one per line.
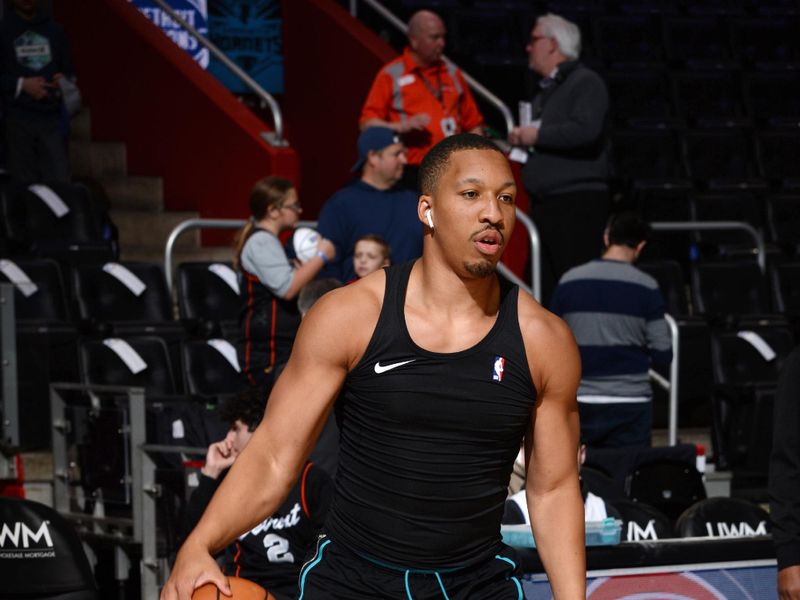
x=768, y=43
x=637, y=94
x=729, y=290
x=204, y=297
x=670, y=486
x=101, y=365
x=777, y=156
x=627, y=39
x=696, y=42
x=773, y=98
x=49, y=302
x=51, y=564
x=207, y=372
x=723, y=518
x=785, y=279
x=742, y=206
x=724, y=154
x=669, y=275
x=642, y=522
x=642, y=154
x=708, y=97
x=101, y=297
x=783, y=221
x=33, y=228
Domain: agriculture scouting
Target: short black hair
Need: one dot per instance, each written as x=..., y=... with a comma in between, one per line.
x=627, y=228
x=435, y=161
x=247, y=406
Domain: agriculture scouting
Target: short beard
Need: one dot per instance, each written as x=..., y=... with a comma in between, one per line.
x=481, y=269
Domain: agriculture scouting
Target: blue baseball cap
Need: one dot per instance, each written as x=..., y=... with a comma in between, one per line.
x=373, y=139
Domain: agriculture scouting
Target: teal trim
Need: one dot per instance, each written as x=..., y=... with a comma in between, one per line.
x=310, y=566
x=508, y=560
x=520, y=595
x=441, y=585
x=408, y=589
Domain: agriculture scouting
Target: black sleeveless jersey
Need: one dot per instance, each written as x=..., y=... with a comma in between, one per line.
x=428, y=440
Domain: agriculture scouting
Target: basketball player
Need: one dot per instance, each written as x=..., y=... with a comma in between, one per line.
x=445, y=369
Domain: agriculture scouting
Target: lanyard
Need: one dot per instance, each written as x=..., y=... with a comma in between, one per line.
x=437, y=91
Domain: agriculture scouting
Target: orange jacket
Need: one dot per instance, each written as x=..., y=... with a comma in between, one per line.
x=402, y=89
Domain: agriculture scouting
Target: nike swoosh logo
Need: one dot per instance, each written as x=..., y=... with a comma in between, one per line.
x=379, y=368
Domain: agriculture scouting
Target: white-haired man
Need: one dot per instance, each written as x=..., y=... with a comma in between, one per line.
x=567, y=169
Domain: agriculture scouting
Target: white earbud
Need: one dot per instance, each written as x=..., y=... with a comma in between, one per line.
x=429, y=218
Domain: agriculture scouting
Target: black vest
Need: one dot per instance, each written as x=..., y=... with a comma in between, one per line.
x=428, y=440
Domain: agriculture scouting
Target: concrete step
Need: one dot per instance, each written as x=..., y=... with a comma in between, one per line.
x=97, y=159
x=149, y=230
x=134, y=192
x=80, y=127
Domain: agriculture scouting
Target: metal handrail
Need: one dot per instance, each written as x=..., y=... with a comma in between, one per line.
x=473, y=83
x=718, y=226
x=533, y=235
x=267, y=100
x=671, y=384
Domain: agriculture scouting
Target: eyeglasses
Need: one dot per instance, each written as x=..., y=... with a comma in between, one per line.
x=536, y=38
x=295, y=207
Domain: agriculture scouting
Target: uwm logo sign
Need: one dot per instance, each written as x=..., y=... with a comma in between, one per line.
x=726, y=530
x=17, y=536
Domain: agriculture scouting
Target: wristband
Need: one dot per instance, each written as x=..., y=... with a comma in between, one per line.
x=323, y=256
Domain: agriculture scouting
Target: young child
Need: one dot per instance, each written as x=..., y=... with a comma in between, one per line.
x=371, y=253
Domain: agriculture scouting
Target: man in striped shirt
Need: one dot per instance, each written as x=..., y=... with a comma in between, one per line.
x=616, y=313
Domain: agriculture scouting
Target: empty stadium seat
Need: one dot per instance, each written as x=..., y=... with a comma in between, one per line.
x=205, y=295
x=696, y=41
x=642, y=522
x=48, y=302
x=738, y=362
x=773, y=98
x=719, y=154
x=708, y=97
x=767, y=42
x=52, y=564
x=638, y=94
x=669, y=486
x=628, y=39
x=68, y=229
x=785, y=278
x=723, y=518
x=739, y=206
x=777, y=156
x=642, y=154
x=102, y=365
x=783, y=220
x=102, y=297
x=725, y=289
x=208, y=372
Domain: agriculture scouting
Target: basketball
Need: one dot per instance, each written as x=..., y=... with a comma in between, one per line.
x=243, y=589
x=306, y=243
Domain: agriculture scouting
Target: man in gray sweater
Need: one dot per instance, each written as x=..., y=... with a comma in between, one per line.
x=567, y=168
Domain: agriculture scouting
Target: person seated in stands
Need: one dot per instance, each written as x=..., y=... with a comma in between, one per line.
x=269, y=282
x=371, y=204
x=371, y=254
x=594, y=507
x=272, y=552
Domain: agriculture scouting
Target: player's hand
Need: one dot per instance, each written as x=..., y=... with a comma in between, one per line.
x=194, y=567
x=219, y=457
x=524, y=136
x=416, y=122
x=36, y=87
x=326, y=246
x=789, y=583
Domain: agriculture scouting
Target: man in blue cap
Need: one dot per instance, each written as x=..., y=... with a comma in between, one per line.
x=372, y=204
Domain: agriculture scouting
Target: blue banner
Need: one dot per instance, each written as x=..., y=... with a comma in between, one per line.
x=747, y=583
x=194, y=12
x=249, y=33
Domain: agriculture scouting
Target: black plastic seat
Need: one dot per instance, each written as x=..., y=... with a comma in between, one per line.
x=723, y=518
x=729, y=289
x=738, y=363
x=777, y=155
x=49, y=302
x=740, y=206
x=773, y=98
x=629, y=39
x=785, y=279
x=32, y=228
x=637, y=94
x=52, y=564
x=708, y=97
x=101, y=365
x=640, y=154
x=767, y=43
x=102, y=298
x=725, y=154
x=783, y=220
x=205, y=297
x=696, y=41
x=642, y=522
x=207, y=372
x=669, y=486
x=669, y=275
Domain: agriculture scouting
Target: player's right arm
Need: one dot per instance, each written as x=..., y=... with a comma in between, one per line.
x=298, y=407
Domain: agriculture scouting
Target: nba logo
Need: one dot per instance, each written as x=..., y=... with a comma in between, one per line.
x=499, y=365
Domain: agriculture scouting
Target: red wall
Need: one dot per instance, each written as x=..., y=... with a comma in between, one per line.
x=177, y=121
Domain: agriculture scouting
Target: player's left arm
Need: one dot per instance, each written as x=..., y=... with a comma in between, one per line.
x=551, y=447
